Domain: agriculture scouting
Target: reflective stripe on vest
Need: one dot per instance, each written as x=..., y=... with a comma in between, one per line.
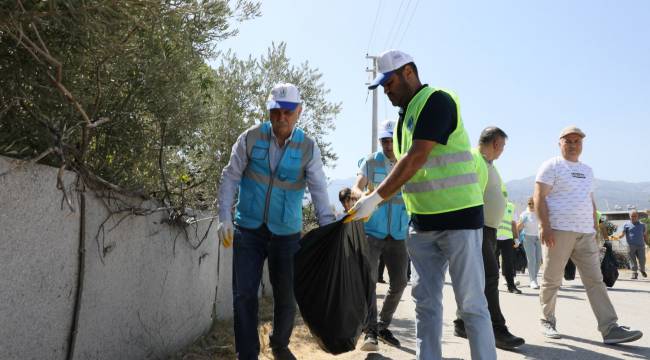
x=505, y=228
x=447, y=181
x=390, y=218
x=273, y=197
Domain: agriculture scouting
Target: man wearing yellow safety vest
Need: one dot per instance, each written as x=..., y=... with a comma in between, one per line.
x=270, y=165
x=437, y=176
x=386, y=231
x=492, y=141
x=506, y=243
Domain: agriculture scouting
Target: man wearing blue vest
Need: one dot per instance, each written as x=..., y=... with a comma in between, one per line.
x=271, y=163
x=386, y=230
x=437, y=177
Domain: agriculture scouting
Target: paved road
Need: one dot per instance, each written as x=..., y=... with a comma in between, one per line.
x=576, y=322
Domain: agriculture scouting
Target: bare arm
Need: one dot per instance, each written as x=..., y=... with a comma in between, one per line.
x=359, y=186
x=406, y=167
x=593, y=202
x=520, y=226
x=541, y=208
x=515, y=233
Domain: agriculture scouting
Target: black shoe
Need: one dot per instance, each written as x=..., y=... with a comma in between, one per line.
x=505, y=340
x=381, y=281
x=644, y=274
x=370, y=342
x=283, y=354
x=459, y=329
x=514, y=290
x=635, y=276
x=386, y=336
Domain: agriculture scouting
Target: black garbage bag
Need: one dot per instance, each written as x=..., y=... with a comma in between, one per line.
x=332, y=284
x=521, y=263
x=570, y=270
x=609, y=266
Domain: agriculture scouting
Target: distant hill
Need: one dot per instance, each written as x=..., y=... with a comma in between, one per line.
x=610, y=195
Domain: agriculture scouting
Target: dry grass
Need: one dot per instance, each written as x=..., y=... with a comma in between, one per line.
x=219, y=342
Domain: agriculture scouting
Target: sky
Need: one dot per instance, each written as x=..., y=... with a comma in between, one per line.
x=530, y=68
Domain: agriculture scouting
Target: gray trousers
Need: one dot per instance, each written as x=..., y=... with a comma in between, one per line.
x=396, y=260
x=637, y=252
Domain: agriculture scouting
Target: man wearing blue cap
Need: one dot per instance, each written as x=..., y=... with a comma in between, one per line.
x=437, y=176
x=271, y=164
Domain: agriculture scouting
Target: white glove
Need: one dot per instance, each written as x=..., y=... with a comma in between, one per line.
x=364, y=207
x=225, y=232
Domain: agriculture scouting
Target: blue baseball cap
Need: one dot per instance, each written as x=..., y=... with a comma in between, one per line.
x=284, y=96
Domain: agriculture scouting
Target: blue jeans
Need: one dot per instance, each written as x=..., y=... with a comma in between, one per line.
x=432, y=253
x=251, y=247
x=533, y=248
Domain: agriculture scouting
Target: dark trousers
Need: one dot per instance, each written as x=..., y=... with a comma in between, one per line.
x=381, y=268
x=505, y=248
x=491, y=267
x=251, y=248
x=395, y=258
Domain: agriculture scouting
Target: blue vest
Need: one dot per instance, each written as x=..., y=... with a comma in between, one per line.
x=273, y=198
x=390, y=218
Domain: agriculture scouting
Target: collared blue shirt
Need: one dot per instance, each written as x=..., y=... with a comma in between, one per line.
x=634, y=233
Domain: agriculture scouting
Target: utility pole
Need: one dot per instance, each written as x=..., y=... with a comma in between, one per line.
x=374, y=102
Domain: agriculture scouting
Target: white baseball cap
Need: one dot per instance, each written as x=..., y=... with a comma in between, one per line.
x=386, y=129
x=387, y=63
x=572, y=130
x=283, y=96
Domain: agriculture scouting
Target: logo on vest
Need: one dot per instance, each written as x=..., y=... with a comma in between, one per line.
x=578, y=175
x=409, y=123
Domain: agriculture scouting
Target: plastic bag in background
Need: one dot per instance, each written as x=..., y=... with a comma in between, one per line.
x=609, y=266
x=570, y=270
x=332, y=284
x=521, y=263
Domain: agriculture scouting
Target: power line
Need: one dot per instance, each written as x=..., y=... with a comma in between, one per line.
x=399, y=11
x=408, y=25
x=374, y=25
x=402, y=18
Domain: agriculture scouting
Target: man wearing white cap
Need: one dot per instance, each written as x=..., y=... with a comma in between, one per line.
x=270, y=165
x=386, y=231
x=437, y=176
x=566, y=210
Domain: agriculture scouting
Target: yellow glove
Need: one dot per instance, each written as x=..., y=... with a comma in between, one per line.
x=225, y=232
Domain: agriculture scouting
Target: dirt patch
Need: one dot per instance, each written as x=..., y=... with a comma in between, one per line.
x=219, y=342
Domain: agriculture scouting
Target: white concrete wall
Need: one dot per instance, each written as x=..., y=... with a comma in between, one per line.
x=147, y=291
x=38, y=264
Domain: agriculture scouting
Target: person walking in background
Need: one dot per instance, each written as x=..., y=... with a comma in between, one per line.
x=437, y=176
x=271, y=163
x=636, y=237
x=528, y=226
x=347, y=200
x=566, y=210
x=506, y=236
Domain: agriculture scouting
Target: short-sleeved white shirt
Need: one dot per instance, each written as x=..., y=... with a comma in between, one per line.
x=529, y=219
x=569, y=202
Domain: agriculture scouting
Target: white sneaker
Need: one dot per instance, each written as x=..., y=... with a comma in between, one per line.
x=549, y=331
x=534, y=285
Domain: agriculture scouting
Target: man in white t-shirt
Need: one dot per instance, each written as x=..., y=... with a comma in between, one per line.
x=566, y=212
